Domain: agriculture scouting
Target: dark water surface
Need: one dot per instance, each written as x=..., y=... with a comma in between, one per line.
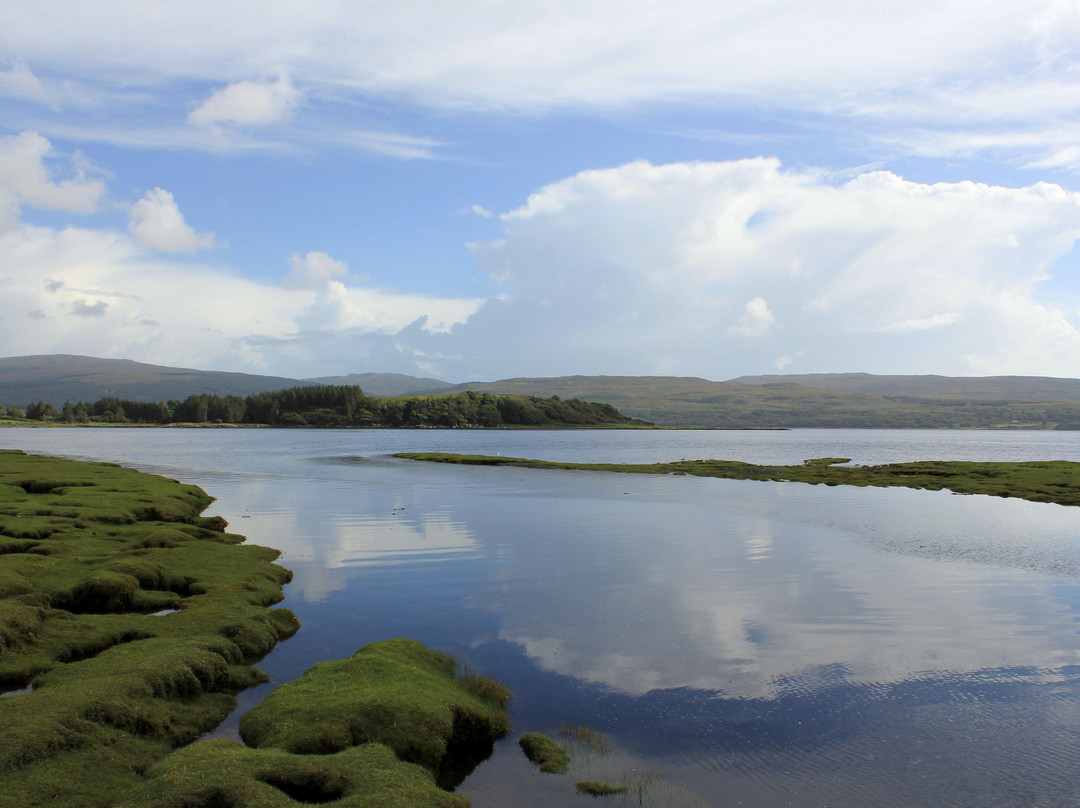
x=737, y=643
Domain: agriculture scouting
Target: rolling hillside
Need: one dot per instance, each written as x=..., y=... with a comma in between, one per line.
x=681, y=401
x=819, y=400
x=63, y=377
x=58, y=378
x=979, y=388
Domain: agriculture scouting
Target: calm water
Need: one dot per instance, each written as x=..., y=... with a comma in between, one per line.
x=737, y=643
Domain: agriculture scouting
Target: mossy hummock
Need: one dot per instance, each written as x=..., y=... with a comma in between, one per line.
x=134, y=619
x=397, y=693
x=394, y=725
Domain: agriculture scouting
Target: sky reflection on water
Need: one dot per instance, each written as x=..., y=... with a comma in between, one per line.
x=776, y=644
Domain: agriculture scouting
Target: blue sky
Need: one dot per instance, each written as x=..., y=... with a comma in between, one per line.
x=480, y=190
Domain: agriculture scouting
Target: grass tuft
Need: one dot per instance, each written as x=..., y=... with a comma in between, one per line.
x=598, y=788
x=544, y=752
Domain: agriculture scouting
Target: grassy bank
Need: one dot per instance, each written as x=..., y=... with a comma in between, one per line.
x=128, y=622
x=1039, y=481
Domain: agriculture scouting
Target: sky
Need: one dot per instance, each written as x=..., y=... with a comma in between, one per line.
x=480, y=190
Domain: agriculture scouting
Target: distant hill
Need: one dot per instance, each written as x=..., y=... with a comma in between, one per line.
x=682, y=401
x=386, y=385
x=815, y=400
x=62, y=377
x=976, y=388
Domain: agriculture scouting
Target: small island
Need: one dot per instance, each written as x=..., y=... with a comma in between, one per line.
x=1038, y=481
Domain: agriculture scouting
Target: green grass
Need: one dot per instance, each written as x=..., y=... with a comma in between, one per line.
x=397, y=693
x=88, y=552
x=599, y=788
x=225, y=773
x=1039, y=481
x=393, y=726
x=544, y=752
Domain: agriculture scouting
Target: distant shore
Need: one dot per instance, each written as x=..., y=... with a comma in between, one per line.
x=1056, y=481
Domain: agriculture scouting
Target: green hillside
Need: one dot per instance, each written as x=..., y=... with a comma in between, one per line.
x=63, y=377
x=938, y=388
x=692, y=402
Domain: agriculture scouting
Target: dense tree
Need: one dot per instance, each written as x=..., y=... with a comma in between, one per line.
x=340, y=406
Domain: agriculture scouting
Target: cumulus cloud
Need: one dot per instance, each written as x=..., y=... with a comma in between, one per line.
x=717, y=269
x=314, y=270
x=98, y=291
x=249, y=103
x=756, y=320
x=156, y=222
x=28, y=168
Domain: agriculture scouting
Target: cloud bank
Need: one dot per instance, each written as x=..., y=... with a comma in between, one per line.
x=104, y=292
x=721, y=269
x=707, y=269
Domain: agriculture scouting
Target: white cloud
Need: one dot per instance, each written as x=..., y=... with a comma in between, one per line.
x=314, y=270
x=884, y=67
x=97, y=290
x=756, y=320
x=393, y=144
x=26, y=177
x=647, y=269
x=923, y=323
x=19, y=81
x=249, y=103
x=156, y=222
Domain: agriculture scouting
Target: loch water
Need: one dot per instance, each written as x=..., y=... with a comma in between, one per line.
x=734, y=642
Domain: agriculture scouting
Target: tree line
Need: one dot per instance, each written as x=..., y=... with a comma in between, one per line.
x=334, y=406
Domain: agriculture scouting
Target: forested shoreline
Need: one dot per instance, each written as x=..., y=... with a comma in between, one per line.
x=333, y=406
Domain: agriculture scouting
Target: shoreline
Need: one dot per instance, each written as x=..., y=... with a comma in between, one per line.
x=1053, y=481
x=128, y=624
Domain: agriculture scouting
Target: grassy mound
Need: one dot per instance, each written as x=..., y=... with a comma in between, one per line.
x=393, y=725
x=213, y=774
x=134, y=618
x=1039, y=481
x=396, y=693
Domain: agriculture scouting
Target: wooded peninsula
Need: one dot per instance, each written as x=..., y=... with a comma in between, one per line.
x=336, y=406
